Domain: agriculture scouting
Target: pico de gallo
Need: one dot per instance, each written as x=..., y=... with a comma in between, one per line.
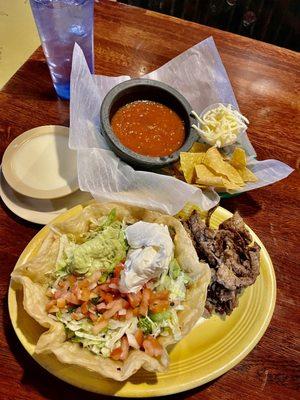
x=118, y=288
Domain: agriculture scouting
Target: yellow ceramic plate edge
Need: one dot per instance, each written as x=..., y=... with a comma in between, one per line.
x=190, y=384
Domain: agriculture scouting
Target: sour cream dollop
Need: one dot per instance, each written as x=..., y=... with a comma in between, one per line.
x=151, y=251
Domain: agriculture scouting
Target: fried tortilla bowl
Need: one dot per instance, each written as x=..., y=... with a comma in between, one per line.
x=213, y=347
x=33, y=275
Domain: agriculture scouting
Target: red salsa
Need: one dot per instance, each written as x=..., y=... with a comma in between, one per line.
x=149, y=128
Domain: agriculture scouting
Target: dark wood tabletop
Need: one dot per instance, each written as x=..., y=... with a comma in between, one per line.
x=265, y=79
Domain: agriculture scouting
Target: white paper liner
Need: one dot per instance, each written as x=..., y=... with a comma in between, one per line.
x=200, y=76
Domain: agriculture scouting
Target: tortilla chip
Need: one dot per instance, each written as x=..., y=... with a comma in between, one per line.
x=214, y=161
x=204, y=176
x=188, y=162
x=229, y=185
x=33, y=275
x=207, y=178
x=247, y=175
x=199, y=148
x=238, y=158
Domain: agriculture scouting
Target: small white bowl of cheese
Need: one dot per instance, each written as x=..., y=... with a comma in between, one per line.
x=220, y=124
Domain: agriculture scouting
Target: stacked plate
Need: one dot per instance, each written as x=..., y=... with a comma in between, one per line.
x=38, y=180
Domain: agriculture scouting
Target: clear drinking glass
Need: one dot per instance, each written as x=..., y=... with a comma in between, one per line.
x=61, y=23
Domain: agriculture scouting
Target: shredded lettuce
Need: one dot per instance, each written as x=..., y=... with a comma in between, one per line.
x=162, y=324
x=174, y=280
x=173, y=323
x=174, y=269
x=146, y=325
x=160, y=317
x=105, y=341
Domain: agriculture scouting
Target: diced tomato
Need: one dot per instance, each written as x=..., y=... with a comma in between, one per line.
x=59, y=293
x=121, y=353
x=125, y=348
x=101, y=306
x=114, y=307
x=84, y=308
x=117, y=271
x=72, y=299
x=72, y=279
x=129, y=314
x=92, y=286
x=93, y=295
x=163, y=295
x=85, y=294
x=61, y=284
x=84, y=283
x=95, y=277
x=76, y=316
x=107, y=297
x=116, y=353
x=143, y=309
x=159, y=301
x=99, y=326
x=113, y=287
x=152, y=347
x=104, y=286
x=134, y=299
x=92, y=307
x=125, y=304
x=61, y=303
x=114, y=280
x=136, y=312
x=159, y=305
x=139, y=337
x=113, y=303
x=93, y=317
x=75, y=289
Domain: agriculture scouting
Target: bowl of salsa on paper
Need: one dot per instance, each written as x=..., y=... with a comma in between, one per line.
x=147, y=123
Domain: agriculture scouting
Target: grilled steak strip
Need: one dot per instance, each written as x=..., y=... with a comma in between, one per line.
x=234, y=262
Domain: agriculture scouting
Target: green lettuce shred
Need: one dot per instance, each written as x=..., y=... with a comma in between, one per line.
x=146, y=325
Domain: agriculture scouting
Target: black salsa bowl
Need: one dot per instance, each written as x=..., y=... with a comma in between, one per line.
x=145, y=89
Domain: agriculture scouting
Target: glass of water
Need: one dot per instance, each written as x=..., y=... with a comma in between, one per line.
x=61, y=23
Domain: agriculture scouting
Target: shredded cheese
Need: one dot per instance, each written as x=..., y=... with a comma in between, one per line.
x=221, y=125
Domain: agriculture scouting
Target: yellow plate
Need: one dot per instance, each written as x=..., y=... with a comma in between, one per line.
x=213, y=347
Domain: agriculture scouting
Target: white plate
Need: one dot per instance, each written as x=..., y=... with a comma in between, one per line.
x=35, y=210
x=40, y=164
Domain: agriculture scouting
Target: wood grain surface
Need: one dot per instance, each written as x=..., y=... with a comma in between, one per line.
x=265, y=79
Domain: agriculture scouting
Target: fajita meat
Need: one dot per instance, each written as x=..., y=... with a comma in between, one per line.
x=233, y=260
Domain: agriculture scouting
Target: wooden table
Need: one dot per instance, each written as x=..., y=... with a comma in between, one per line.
x=134, y=41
